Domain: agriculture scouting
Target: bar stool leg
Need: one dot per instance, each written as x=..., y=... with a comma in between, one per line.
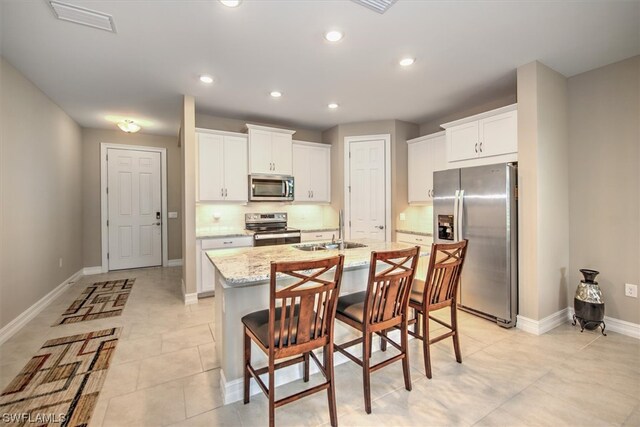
x=331, y=391
x=306, y=368
x=272, y=393
x=425, y=344
x=383, y=342
x=247, y=362
x=454, y=326
x=366, y=374
x=404, y=338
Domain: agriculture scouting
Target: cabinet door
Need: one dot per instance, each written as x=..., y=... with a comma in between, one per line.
x=281, y=153
x=235, y=170
x=301, y=174
x=499, y=134
x=462, y=142
x=437, y=160
x=210, y=167
x=260, y=152
x=208, y=274
x=320, y=173
x=416, y=168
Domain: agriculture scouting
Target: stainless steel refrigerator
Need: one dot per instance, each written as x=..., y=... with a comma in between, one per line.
x=479, y=204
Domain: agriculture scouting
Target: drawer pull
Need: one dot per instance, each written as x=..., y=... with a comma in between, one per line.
x=227, y=243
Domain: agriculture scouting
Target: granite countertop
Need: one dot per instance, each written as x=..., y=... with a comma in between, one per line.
x=247, y=266
x=221, y=232
x=417, y=233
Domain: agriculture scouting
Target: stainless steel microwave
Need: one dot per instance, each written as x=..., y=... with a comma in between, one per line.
x=270, y=188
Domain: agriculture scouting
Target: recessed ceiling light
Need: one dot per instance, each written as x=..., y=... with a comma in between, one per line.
x=230, y=3
x=333, y=105
x=333, y=36
x=405, y=62
x=129, y=126
x=276, y=94
x=206, y=79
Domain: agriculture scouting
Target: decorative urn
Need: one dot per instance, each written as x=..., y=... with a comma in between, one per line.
x=588, y=302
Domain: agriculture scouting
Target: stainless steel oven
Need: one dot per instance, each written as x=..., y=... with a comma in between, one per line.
x=271, y=229
x=270, y=188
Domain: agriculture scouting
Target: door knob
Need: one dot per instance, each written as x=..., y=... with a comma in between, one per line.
x=380, y=227
x=157, y=223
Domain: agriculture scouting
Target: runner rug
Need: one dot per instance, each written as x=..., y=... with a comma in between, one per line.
x=60, y=384
x=99, y=300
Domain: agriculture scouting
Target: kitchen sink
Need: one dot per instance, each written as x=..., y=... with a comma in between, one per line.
x=312, y=247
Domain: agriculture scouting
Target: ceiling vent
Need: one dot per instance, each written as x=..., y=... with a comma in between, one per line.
x=380, y=6
x=82, y=16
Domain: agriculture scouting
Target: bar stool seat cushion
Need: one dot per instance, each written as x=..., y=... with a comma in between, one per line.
x=417, y=291
x=258, y=323
x=352, y=306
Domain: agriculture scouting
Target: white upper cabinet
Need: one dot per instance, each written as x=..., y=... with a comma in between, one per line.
x=426, y=155
x=270, y=150
x=312, y=171
x=486, y=138
x=222, y=166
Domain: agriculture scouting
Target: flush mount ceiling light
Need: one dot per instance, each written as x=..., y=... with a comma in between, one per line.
x=231, y=3
x=333, y=105
x=276, y=94
x=206, y=79
x=333, y=36
x=405, y=62
x=129, y=126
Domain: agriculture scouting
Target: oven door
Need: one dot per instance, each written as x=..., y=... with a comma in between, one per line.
x=267, y=188
x=276, y=239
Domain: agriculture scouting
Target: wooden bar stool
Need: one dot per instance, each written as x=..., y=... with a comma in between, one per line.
x=441, y=290
x=300, y=319
x=382, y=306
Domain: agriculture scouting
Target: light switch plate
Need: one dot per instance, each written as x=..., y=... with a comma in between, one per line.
x=173, y=214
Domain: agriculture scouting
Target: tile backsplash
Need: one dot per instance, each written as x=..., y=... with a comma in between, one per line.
x=417, y=218
x=222, y=217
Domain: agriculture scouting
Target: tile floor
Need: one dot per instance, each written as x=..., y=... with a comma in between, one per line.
x=165, y=372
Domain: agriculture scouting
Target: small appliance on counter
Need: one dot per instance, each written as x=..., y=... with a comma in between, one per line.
x=588, y=302
x=271, y=229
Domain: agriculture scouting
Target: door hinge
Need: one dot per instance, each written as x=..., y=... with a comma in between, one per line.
x=107, y=190
x=107, y=255
x=107, y=158
x=107, y=223
x=349, y=189
x=349, y=223
x=349, y=154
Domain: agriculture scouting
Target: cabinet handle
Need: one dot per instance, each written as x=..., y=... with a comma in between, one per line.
x=312, y=194
x=481, y=147
x=308, y=193
x=418, y=240
x=318, y=235
x=476, y=148
x=225, y=192
x=227, y=243
x=222, y=192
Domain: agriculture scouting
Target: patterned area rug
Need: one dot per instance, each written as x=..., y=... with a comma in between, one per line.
x=99, y=300
x=60, y=384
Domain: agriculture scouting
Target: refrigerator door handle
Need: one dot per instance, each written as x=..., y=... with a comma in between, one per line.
x=455, y=216
x=460, y=214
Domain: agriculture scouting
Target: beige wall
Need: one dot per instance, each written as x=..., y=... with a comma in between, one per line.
x=604, y=170
x=234, y=125
x=543, y=181
x=91, y=140
x=40, y=194
x=433, y=126
x=188, y=161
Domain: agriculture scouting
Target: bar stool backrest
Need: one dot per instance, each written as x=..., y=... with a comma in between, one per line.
x=308, y=306
x=443, y=275
x=387, y=294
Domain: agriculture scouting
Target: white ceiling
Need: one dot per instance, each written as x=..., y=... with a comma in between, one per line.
x=467, y=53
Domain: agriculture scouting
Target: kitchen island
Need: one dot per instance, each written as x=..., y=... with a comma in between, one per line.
x=242, y=287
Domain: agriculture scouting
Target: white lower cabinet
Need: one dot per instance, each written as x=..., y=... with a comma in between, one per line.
x=205, y=271
x=425, y=246
x=317, y=236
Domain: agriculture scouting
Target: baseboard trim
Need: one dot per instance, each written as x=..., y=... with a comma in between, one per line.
x=539, y=327
x=174, y=263
x=615, y=325
x=191, y=298
x=11, y=328
x=89, y=271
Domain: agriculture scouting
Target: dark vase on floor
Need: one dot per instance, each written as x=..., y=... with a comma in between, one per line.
x=588, y=302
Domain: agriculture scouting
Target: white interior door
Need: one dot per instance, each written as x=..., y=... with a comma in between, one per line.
x=367, y=196
x=134, y=207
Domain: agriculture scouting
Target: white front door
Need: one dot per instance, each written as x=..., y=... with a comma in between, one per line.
x=134, y=206
x=367, y=196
